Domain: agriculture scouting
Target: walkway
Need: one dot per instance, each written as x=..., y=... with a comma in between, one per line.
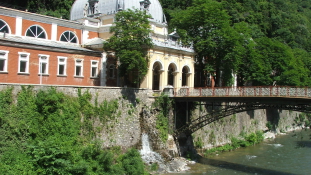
x=245, y=91
x=226, y=101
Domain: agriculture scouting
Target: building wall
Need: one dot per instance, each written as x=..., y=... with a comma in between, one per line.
x=34, y=77
x=24, y=24
x=61, y=30
x=27, y=23
x=105, y=36
x=85, y=30
x=54, y=28
x=93, y=35
x=11, y=21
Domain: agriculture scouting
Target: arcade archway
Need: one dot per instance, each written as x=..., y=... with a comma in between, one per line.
x=185, y=76
x=156, y=75
x=171, y=74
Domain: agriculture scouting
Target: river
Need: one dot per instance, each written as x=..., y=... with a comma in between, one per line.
x=288, y=154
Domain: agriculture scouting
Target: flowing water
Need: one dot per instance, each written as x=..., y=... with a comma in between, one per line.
x=148, y=155
x=285, y=155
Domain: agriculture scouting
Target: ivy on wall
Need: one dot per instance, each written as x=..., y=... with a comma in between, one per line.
x=164, y=104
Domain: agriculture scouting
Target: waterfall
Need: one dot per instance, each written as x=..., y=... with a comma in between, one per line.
x=145, y=144
x=148, y=155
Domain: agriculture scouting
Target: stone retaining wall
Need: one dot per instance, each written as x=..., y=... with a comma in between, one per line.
x=125, y=130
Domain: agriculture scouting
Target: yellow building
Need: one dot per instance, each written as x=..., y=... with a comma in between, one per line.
x=170, y=63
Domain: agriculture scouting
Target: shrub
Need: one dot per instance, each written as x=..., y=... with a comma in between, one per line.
x=51, y=133
x=248, y=140
x=269, y=126
x=132, y=163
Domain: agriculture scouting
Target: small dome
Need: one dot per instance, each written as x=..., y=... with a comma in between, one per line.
x=112, y=6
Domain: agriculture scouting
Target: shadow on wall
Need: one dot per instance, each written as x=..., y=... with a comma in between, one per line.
x=186, y=147
x=182, y=115
x=130, y=95
x=273, y=116
x=251, y=114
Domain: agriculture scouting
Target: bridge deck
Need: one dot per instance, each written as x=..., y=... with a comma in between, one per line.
x=245, y=92
x=287, y=100
x=228, y=101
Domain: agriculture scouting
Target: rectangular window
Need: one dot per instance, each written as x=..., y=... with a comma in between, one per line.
x=23, y=66
x=43, y=64
x=79, y=68
x=2, y=65
x=94, y=68
x=62, y=64
x=3, y=60
x=111, y=71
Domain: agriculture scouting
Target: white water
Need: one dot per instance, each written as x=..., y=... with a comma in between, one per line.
x=148, y=155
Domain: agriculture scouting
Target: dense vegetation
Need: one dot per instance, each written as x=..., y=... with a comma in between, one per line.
x=50, y=133
x=56, y=8
x=263, y=42
x=164, y=104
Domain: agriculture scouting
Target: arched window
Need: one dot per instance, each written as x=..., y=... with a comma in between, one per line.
x=69, y=37
x=36, y=31
x=4, y=27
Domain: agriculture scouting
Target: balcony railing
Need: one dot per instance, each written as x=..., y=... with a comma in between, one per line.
x=247, y=91
x=172, y=44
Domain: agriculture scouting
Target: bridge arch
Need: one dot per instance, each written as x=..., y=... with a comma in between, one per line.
x=229, y=108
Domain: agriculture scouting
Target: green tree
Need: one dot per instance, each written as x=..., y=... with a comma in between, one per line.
x=131, y=42
x=170, y=6
x=55, y=8
x=217, y=44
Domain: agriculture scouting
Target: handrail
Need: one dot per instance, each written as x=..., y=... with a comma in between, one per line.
x=244, y=91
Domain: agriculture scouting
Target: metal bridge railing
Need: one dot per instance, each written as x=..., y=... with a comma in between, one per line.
x=245, y=91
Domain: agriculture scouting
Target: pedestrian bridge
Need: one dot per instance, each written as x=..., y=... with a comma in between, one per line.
x=245, y=91
x=226, y=101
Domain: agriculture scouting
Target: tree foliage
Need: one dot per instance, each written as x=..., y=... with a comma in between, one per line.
x=55, y=8
x=207, y=25
x=263, y=42
x=50, y=133
x=131, y=42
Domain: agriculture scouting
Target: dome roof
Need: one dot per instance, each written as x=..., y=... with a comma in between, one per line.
x=112, y=6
